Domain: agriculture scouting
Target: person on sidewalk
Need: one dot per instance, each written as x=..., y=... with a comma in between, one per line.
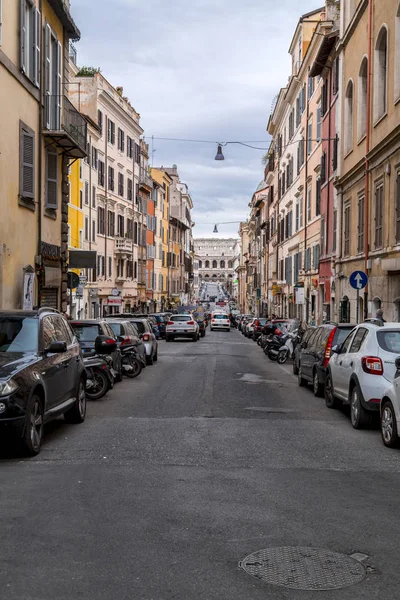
x=379, y=315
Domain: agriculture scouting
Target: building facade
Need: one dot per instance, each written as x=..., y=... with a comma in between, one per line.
x=217, y=260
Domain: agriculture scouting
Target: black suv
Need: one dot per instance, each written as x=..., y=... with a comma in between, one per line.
x=87, y=331
x=41, y=373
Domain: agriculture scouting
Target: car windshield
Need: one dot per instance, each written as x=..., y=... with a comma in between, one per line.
x=116, y=327
x=389, y=341
x=19, y=334
x=86, y=333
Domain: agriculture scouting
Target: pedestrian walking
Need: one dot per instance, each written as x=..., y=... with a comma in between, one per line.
x=379, y=315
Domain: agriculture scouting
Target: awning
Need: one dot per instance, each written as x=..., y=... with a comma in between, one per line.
x=325, y=49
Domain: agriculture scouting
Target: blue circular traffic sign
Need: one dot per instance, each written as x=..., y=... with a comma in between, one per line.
x=358, y=280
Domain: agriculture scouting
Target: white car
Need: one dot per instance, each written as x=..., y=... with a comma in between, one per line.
x=360, y=369
x=220, y=321
x=250, y=328
x=181, y=326
x=390, y=411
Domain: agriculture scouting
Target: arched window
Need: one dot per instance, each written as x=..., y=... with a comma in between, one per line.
x=230, y=265
x=377, y=304
x=380, y=74
x=397, y=57
x=206, y=276
x=207, y=264
x=348, y=117
x=214, y=264
x=222, y=264
x=362, y=99
x=200, y=264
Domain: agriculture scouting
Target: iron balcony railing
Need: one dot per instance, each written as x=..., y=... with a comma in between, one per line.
x=145, y=180
x=60, y=116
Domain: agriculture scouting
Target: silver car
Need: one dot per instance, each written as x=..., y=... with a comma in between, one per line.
x=148, y=337
x=182, y=326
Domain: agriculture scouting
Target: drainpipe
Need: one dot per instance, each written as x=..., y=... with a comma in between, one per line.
x=368, y=143
x=40, y=117
x=106, y=195
x=305, y=212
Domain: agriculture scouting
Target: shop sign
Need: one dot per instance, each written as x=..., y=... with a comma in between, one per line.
x=300, y=297
x=114, y=301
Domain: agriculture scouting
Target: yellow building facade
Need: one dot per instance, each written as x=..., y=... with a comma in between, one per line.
x=163, y=180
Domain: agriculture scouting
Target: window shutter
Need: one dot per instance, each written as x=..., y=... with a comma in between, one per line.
x=86, y=192
x=52, y=180
x=59, y=80
x=27, y=166
x=23, y=36
x=36, y=42
x=1, y=19
x=47, y=76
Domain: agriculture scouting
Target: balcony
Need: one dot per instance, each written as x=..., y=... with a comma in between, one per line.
x=145, y=182
x=65, y=126
x=123, y=246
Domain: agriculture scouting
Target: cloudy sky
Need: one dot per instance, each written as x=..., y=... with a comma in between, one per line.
x=199, y=70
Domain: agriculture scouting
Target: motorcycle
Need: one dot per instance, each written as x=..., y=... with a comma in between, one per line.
x=100, y=376
x=272, y=349
x=132, y=364
x=287, y=350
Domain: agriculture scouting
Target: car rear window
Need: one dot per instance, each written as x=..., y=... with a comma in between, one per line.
x=224, y=317
x=141, y=327
x=389, y=341
x=116, y=327
x=341, y=334
x=182, y=318
x=86, y=333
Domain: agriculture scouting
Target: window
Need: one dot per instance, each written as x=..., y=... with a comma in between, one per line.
x=362, y=99
x=207, y=264
x=324, y=98
x=100, y=220
x=121, y=140
x=348, y=118
x=360, y=227
x=334, y=230
x=87, y=228
x=347, y=227
x=121, y=226
x=316, y=254
x=130, y=189
x=93, y=230
x=120, y=184
x=335, y=75
x=318, y=197
x=335, y=153
x=27, y=163
x=318, y=132
x=80, y=238
x=31, y=28
x=80, y=199
x=323, y=240
x=379, y=216
x=111, y=179
x=100, y=166
x=93, y=196
x=111, y=132
x=311, y=86
x=53, y=78
x=307, y=259
x=323, y=167
x=111, y=223
x=94, y=158
x=129, y=147
x=129, y=228
x=137, y=153
x=100, y=121
x=397, y=206
x=110, y=267
x=51, y=179
x=309, y=203
x=380, y=74
x=87, y=193
x=300, y=212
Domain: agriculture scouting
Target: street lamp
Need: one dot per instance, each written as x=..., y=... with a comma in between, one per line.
x=219, y=156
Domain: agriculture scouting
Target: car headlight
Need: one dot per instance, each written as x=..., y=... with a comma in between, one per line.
x=7, y=387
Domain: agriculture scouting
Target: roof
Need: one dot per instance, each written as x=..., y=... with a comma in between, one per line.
x=325, y=49
x=62, y=12
x=261, y=186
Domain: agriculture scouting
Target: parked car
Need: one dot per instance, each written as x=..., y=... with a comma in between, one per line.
x=314, y=357
x=297, y=351
x=41, y=373
x=220, y=321
x=182, y=326
x=257, y=327
x=361, y=369
x=243, y=321
x=87, y=331
x=161, y=323
x=390, y=411
x=127, y=334
x=148, y=338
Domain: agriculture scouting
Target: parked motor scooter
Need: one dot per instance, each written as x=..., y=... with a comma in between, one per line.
x=100, y=374
x=287, y=350
x=277, y=342
x=132, y=363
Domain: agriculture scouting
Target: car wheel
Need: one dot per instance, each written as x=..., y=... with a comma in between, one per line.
x=156, y=356
x=295, y=367
x=33, y=429
x=77, y=413
x=300, y=379
x=118, y=377
x=318, y=389
x=203, y=334
x=150, y=359
x=330, y=400
x=167, y=338
x=390, y=436
x=194, y=338
x=360, y=417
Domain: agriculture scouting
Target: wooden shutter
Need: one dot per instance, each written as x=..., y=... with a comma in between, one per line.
x=47, y=43
x=37, y=29
x=59, y=82
x=27, y=164
x=23, y=48
x=52, y=180
x=86, y=192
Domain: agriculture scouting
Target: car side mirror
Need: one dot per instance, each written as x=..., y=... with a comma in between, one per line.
x=56, y=348
x=337, y=349
x=103, y=344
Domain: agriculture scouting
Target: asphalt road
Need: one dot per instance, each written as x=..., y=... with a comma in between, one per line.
x=212, y=454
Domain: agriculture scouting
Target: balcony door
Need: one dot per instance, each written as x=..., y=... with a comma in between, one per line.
x=53, y=78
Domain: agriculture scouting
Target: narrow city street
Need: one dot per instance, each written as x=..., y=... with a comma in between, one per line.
x=210, y=455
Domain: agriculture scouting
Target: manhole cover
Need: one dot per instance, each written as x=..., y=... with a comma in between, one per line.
x=304, y=568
